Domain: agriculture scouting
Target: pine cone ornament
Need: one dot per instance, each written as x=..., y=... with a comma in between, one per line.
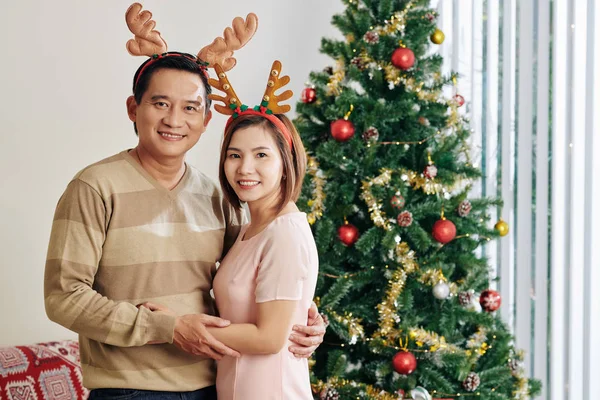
x=329, y=394
x=371, y=37
x=472, y=382
x=430, y=171
x=466, y=298
x=359, y=62
x=464, y=208
x=514, y=365
x=405, y=218
x=371, y=134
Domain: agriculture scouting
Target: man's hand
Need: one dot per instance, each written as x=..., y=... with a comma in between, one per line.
x=309, y=337
x=191, y=336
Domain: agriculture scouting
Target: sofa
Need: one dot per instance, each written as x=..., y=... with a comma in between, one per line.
x=43, y=371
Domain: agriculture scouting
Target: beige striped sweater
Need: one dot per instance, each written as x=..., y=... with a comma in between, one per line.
x=118, y=239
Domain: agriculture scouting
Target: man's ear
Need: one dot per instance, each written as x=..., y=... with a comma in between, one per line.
x=207, y=118
x=131, y=108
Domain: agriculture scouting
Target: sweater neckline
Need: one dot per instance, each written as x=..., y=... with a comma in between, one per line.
x=138, y=167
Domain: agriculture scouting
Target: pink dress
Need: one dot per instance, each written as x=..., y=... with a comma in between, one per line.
x=280, y=263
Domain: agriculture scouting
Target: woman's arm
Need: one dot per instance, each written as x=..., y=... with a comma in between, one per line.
x=268, y=336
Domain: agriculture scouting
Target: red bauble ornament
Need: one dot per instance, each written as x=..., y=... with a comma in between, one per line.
x=342, y=130
x=444, y=231
x=404, y=363
x=403, y=58
x=348, y=234
x=459, y=100
x=490, y=300
x=309, y=95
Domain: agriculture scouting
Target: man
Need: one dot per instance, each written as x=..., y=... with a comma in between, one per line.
x=144, y=226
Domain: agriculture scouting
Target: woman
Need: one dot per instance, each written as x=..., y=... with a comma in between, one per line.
x=267, y=281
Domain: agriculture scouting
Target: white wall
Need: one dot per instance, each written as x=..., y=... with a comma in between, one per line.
x=64, y=78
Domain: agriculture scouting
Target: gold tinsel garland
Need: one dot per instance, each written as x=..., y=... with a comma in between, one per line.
x=406, y=257
x=477, y=344
x=375, y=206
x=435, y=342
x=338, y=76
x=521, y=392
x=419, y=181
x=355, y=329
x=388, y=308
x=388, y=316
x=372, y=392
x=396, y=23
x=316, y=204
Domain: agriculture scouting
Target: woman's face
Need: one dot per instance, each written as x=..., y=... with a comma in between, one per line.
x=254, y=167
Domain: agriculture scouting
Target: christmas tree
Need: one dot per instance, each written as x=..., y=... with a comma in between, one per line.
x=403, y=282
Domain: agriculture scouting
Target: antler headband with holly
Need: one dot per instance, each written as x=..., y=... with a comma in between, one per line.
x=149, y=42
x=269, y=106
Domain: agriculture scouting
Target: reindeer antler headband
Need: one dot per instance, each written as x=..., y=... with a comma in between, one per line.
x=268, y=107
x=149, y=42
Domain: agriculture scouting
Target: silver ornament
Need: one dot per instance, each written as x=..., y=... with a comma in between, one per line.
x=441, y=291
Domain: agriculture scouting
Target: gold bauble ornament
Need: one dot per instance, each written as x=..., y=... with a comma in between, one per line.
x=502, y=227
x=437, y=36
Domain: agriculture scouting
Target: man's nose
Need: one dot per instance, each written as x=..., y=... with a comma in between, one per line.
x=174, y=118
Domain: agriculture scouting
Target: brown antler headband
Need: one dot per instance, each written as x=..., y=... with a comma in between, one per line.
x=149, y=42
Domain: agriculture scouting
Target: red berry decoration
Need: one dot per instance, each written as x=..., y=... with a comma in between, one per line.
x=404, y=363
x=490, y=300
x=348, y=234
x=309, y=95
x=403, y=58
x=459, y=100
x=444, y=231
x=342, y=130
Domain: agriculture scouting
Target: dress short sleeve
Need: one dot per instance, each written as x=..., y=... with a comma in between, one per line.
x=283, y=267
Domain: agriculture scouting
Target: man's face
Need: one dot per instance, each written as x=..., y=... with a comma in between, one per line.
x=171, y=115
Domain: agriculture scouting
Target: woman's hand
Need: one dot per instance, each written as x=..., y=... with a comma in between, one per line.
x=308, y=337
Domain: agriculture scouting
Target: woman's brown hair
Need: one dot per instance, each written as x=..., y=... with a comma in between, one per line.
x=294, y=159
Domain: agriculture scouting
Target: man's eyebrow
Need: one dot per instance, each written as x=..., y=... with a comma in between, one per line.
x=159, y=97
x=194, y=102
x=164, y=97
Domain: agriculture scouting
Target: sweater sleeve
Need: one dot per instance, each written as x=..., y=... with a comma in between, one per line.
x=74, y=252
